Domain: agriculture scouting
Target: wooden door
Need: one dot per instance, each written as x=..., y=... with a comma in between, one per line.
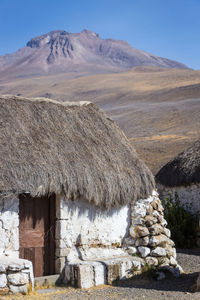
x=37, y=232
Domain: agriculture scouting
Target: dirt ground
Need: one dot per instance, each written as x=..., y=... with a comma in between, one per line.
x=136, y=289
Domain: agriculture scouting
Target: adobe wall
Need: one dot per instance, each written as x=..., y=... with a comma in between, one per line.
x=189, y=196
x=9, y=226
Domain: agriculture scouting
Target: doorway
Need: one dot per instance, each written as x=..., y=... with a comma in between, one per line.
x=37, y=232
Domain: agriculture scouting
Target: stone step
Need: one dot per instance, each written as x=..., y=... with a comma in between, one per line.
x=86, y=274
x=49, y=280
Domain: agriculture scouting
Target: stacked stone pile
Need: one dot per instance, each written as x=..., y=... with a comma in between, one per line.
x=16, y=275
x=149, y=238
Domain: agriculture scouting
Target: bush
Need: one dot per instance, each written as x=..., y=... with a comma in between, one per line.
x=183, y=224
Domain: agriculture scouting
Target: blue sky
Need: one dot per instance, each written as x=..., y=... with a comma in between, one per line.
x=168, y=28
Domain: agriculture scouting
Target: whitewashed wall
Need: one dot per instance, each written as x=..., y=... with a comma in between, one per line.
x=9, y=226
x=82, y=224
x=189, y=196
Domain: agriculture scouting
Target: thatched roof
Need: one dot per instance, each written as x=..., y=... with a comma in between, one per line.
x=183, y=170
x=71, y=148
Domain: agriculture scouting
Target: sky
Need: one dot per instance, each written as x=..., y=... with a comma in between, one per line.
x=167, y=28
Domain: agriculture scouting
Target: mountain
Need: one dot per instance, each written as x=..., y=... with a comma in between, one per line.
x=78, y=53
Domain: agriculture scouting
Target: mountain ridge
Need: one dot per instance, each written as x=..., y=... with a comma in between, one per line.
x=60, y=51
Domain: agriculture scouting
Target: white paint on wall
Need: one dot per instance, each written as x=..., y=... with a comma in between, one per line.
x=9, y=226
x=189, y=196
x=82, y=224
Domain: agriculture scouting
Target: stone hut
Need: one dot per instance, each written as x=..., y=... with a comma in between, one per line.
x=75, y=199
x=182, y=176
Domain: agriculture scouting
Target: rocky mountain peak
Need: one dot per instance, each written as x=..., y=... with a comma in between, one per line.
x=61, y=51
x=40, y=41
x=90, y=33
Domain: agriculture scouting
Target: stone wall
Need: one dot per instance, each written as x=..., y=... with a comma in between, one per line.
x=85, y=231
x=9, y=226
x=149, y=238
x=189, y=196
x=16, y=275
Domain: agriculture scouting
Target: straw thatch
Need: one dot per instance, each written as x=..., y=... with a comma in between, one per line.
x=183, y=170
x=75, y=149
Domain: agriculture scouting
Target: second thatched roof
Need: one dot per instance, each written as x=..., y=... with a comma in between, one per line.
x=49, y=147
x=182, y=170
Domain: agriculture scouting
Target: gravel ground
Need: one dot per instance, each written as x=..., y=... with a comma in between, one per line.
x=137, y=289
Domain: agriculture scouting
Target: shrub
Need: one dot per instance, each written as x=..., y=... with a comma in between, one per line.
x=183, y=224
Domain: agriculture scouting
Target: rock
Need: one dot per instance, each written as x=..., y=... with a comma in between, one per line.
x=173, y=261
x=137, y=263
x=3, y=281
x=156, y=229
x=131, y=250
x=144, y=241
x=160, y=275
x=144, y=251
x=18, y=278
x=151, y=261
x=162, y=221
x=167, y=232
x=171, y=251
x=180, y=269
x=15, y=267
x=164, y=261
x=129, y=241
x=138, y=221
x=138, y=231
x=149, y=210
x=139, y=210
x=160, y=209
x=160, y=240
x=154, y=204
x=155, y=213
x=150, y=220
x=155, y=193
x=23, y=289
x=2, y=268
x=159, y=251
